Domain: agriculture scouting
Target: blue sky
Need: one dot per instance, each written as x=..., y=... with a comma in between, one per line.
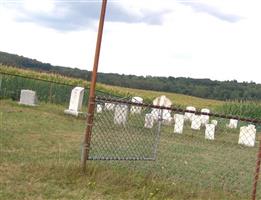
x=189, y=38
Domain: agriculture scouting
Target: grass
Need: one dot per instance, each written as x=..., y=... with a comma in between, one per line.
x=40, y=159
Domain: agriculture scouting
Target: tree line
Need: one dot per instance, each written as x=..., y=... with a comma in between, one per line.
x=205, y=88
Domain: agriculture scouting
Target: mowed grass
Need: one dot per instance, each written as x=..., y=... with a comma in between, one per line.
x=40, y=159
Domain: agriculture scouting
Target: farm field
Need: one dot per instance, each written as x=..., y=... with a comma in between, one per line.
x=40, y=159
x=102, y=89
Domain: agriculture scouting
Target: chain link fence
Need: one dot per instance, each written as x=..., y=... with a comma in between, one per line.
x=201, y=149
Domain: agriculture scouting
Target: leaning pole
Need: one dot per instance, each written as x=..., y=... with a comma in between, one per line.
x=91, y=102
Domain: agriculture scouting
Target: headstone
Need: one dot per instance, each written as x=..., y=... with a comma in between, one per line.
x=210, y=132
x=109, y=106
x=179, y=123
x=215, y=122
x=149, y=120
x=233, y=123
x=166, y=114
x=136, y=109
x=120, y=114
x=167, y=121
x=28, y=97
x=99, y=108
x=196, y=122
x=75, y=101
x=189, y=116
x=205, y=118
x=247, y=136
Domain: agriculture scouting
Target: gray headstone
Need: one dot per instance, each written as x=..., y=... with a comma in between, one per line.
x=28, y=97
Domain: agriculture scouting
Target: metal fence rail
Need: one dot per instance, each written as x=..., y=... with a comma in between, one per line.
x=201, y=148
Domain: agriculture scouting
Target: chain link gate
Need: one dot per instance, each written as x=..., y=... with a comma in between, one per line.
x=120, y=135
x=207, y=150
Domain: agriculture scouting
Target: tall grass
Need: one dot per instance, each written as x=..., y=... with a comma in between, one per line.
x=240, y=108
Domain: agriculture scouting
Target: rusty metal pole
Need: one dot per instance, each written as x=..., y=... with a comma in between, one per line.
x=91, y=103
x=258, y=162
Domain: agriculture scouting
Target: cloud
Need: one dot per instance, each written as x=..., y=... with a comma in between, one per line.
x=213, y=11
x=77, y=15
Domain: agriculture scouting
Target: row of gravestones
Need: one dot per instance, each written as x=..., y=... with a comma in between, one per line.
x=247, y=134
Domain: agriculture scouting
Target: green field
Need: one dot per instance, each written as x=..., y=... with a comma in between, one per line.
x=47, y=90
x=40, y=159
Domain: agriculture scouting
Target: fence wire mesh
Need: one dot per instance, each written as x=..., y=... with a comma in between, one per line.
x=198, y=148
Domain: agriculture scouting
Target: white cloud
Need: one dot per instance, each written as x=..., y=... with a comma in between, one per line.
x=188, y=43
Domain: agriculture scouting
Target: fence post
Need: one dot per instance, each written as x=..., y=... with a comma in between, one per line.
x=256, y=178
x=91, y=102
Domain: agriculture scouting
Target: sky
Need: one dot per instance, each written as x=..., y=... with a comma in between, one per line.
x=216, y=39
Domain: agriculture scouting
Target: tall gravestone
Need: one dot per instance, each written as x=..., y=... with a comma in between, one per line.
x=149, y=120
x=188, y=115
x=179, y=123
x=120, y=114
x=204, y=117
x=196, y=122
x=136, y=109
x=28, y=97
x=75, y=101
x=210, y=132
x=164, y=113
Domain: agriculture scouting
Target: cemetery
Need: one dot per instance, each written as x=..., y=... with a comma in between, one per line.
x=63, y=141
x=125, y=131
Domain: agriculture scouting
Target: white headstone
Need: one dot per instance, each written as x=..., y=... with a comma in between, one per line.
x=28, y=97
x=247, y=136
x=210, y=132
x=179, y=123
x=109, y=106
x=196, y=122
x=149, y=120
x=215, y=122
x=233, y=123
x=205, y=118
x=99, y=108
x=189, y=116
x=120, y=114
x=166, y=114
x=136, y=109
x=75, y=101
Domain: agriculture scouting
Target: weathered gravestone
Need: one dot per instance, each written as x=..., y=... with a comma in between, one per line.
x=149, y=120
x=28, y=97
x=233, y=123
x=210, y=132
x=136, y=109
x=247, y=135
x=99, y=108
x=204, y=117
x=163, y=114
x=109, y=106
x=179, y=123
x=189, y=116
x=120, y=114
x=75, y=101
x=196, y=122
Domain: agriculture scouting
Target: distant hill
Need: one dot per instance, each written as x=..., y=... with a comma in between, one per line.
x=204, y=88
